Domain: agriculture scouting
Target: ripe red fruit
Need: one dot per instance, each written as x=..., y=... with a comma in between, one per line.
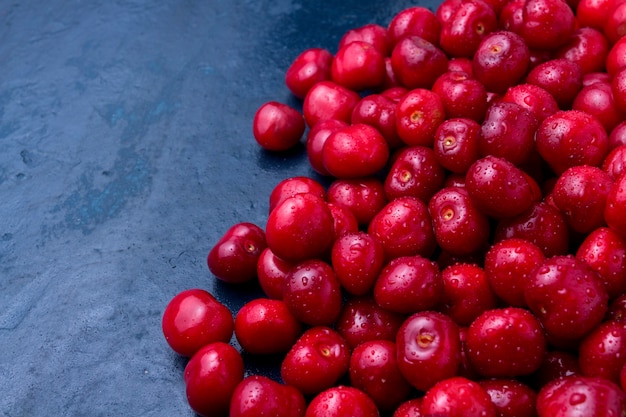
x=258, y=395
x=194, y=318
x=404, y=228
x=301, y=227
x=374, y=370
x=615, y=25
x=556, y=364
x=534, y=98
x=316, y=361
x=605, y=252
x=409, y=408
x=364, y=197
x=597, y=100
x=307, y=69
x=418, y=114
x=428, y=349
x=580, y=396
x=378, y=111
x=508, y=132
x=510, y=397
x=505, y=343
x=292, y=186
x=542, y=224
x=462, y=95
x=211, y=376
x=588, y=47
x=616, y=59
x=357, y=259
x=417, y=63
x=508, y=266
x=617, y=136
x=580, y=193
x=468, y=23
x=234, y=257
x=315, y=140
x=618, y=87
x=616, y=206
x=265, y=326
x=358, y=65
x=456, y=144
x=501, y=60
x=312, y=293
x=445, y=399
x=342, y=401
x=547, y=24
x=460, y=228
x=277, y=126
x=560, y=77
x=409, y=284
x=414, y=21
x=569, y=138
x=466, y=293
x=329, y=100
x=363, y=320
x=374, y=34
x=272, y=272
x=500, y=189
x=602, y=353
x=415, y=172
x=593, y=13
x=568, y=298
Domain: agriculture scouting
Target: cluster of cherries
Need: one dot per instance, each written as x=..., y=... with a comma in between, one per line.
x=467, y=255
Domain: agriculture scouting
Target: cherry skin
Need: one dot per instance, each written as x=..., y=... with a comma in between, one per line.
x=259, y=395
x=307, y=69
x=462, y=95
x=316, y=361
x=342, y=401
x=511, y=397
x=418, y=114
x=364, y=197
x=328, y=100
x=458, y=397
x=404, y=227
x=616, y=59
x=556, y=364
x=301, y=227
x=374, y=370
x=264, y=326
x=560, y=77
x=277, y=126
x=547, y=24
x=534, y=98
x=598, y=100
x=375, y=35
x=315, y=140
x=358, y=65
x=194, y=318
x=292, y=186
x=272, y=272
x=428, y=349
x=593, y=13
x=415, y=172
x=378, y=111
x=468, y=24
x=409, y=408
x=312, y=293
x=602, y=353
x=211, y=377
x=355, y=151
x=409, y=284
x=414, y=21
x=615, y=206
x=357, y=259
x=456, y=144
x=417, y=63
x=618, y=88
x=506, y=343
x=344, y=220
x=234, y=257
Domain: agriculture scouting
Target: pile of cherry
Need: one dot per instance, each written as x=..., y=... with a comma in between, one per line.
x=467, y=256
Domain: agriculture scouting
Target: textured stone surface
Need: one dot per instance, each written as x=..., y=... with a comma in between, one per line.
x=125, y=152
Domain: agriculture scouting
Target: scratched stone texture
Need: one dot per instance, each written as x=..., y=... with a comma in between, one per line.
x=125, y=152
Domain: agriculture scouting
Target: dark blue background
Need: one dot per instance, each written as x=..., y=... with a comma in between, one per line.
x=125, y=153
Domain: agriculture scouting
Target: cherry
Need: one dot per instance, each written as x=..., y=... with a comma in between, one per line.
x=344, y=220
x=363, y=320
x=315, y=140
x=508, y=266
x=277, y=126
x=458, y=397
x=597, y=100
x=328, y=100
x=506, y=343
x=312, y=293
x=560, y=77
x=593, y=13
x=292, y=186
x=234, y=257
x=409, y=408
x=374, y=34
x=408, y=284
x=547, y=24
x=469, y=22
x=418, y=114
x=272, y=272
x=414, y=21
x=460, y=228
x=500, y=61
x=456, y=144
x=355, y=151
x=602, y=353
x=568, y=298
x=211, y=377
x=556, y=364
x=194, y=318
x=364, y=197
x=415, y=172
x=374, y=370
x=618, y=88
x=417, y=63
x=300, y=227
x=316, y=361
x=378, y=111
x=259, y=395
x=342, y=401
x=587, y=47
x=616, y=59
x=264, y=326
x=404, y=227
x=358, y=65
x=357, y=259
x=615, y=26
x=582, y=396
x=462, y=95
x=615, y=206
x=534, y=98
x=428, y=349
x=510, y=397
x=307, y=69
